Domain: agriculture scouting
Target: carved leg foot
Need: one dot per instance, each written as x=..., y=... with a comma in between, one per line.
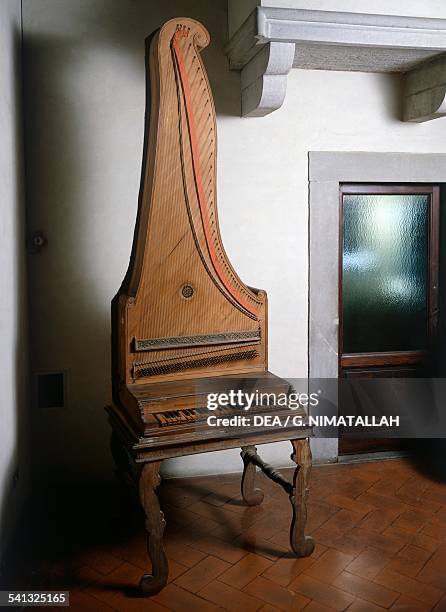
x=251, y=495
x=148, y=482
x=301, y=544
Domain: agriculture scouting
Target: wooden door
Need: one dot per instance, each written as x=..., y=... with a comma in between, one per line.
x=388, y=289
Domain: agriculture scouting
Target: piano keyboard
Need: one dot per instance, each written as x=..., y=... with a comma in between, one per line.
x=180, y=417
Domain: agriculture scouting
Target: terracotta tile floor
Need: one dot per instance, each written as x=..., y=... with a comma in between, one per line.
x=380, y=529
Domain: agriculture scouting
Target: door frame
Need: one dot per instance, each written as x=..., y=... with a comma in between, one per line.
x=327, y=170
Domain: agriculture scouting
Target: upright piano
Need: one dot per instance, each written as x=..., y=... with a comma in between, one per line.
x=184, y=325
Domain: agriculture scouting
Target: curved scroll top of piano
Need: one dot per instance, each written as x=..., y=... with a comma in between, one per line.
x=182, y=311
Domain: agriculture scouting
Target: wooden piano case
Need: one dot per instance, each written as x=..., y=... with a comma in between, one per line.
x=183, y=323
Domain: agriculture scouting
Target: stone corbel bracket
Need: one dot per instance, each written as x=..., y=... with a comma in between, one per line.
x=263, y=64
x=272, y=41
x=264, y=79
x=425, y=91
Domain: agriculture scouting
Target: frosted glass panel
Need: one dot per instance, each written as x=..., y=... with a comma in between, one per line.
x=384, y=285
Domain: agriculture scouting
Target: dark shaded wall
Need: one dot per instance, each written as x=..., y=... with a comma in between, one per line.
x=14, y=415
x=84, y=112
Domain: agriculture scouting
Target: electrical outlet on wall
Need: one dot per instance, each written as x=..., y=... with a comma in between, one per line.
x=50, y=390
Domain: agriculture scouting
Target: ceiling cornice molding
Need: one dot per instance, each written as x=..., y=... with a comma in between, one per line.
x=273, y=40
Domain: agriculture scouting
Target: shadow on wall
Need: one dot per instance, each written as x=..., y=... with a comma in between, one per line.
x=84, y=103
x=16, y=470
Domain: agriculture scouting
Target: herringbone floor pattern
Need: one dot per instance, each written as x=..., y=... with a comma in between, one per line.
x=380, y=529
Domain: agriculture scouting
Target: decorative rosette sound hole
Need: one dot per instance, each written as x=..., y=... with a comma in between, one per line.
x=187, y=292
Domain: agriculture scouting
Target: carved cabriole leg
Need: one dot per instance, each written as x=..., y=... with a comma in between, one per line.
x=148, y=482
x=302, y=545
x=251, y=495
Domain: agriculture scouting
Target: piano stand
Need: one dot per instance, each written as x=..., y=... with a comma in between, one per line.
x=297, y=490
x=123, y=450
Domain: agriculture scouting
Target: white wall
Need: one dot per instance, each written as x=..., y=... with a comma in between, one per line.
x=13, y=352
x=85, y=100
